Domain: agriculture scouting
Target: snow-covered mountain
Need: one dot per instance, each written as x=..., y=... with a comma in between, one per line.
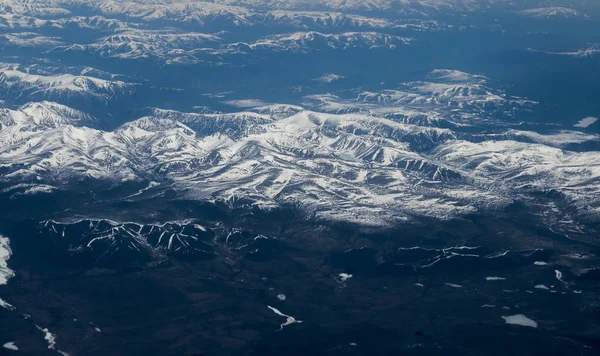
x=207, y=16
x=201, y=170
x=105, y=241
x=552, y=12
x=108, y=242
x=190, y=48
x=191, y=32
x=15, y=21
x=448, y=98
x=29, y=39
x=355, y=167
x=152, y=9
x=109, y=15
x=26, y=83
x=587, y=52
x=28, y=125
x=307, y=41
x=320, y=19
x=169, y=45
x=374, y=153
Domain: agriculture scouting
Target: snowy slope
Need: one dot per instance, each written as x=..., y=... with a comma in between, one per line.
x=135, y=44
x=552, y=12
x=306, y=41
x=375, y=159
x=448, y=98
x=25, y=83
x=102, y=241
x=338, y=166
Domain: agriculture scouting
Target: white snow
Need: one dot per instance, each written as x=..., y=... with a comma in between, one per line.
x=454, y=285
x=49, y=337
x=324, y=18
x=302, y=41
x=141, y=191
x=11, y=346
x=356, y=167
x=281, y=297
x=541, y=286
x=6, y=305
x=455, y=76
x=520, y=319
x=30, y=39
x=540, y=263
x=559, y=276
x=289, y=319
x=583, y=123
x=166, y=45
x=581, y=53
x=246, y=103
x=329, y=78
x=51, y=340
x=495, y=278
x=30, y=83
x=5, y=253
x=343, y=277
x=555, y=139
x=552, y=12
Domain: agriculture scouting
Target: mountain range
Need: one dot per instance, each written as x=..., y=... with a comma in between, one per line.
x=351, y=166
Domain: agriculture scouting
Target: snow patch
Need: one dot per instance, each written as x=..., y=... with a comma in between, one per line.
x=11, y=346
x=581, y=53
x=6, y=305
x=520, y=319
x=51, y=340
x=583, y=123
x=344, y=277
x=246, y=103
x=329, y=78
x=289, y=319
x=5, y=253
x=553, y=12
x=559, y=276
x=454, y=285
